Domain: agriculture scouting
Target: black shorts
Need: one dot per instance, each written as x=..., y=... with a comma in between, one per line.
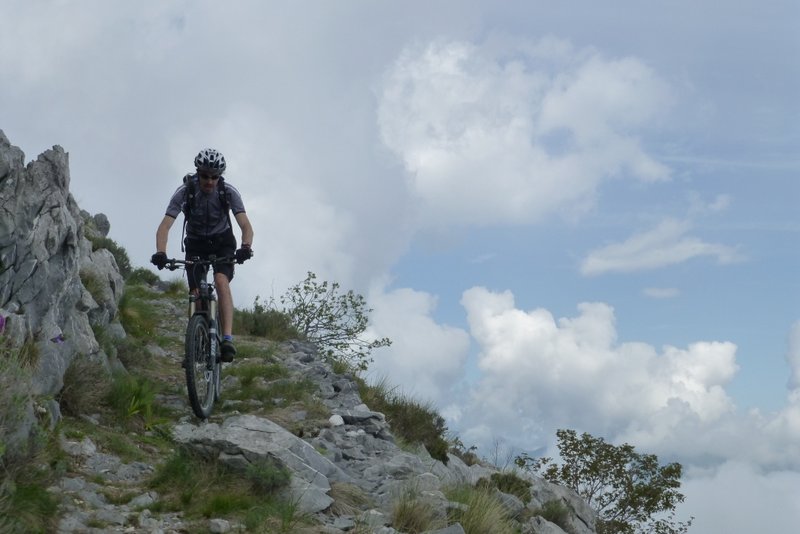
x=219, y=245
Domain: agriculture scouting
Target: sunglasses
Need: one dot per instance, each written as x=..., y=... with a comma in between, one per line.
x=206, y=176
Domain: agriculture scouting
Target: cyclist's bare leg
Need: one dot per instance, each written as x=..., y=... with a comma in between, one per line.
x=225, y=301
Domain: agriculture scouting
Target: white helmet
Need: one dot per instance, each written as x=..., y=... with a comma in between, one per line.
x=210, y=161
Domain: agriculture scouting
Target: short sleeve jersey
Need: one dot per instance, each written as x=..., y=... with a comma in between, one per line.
x=208, y=218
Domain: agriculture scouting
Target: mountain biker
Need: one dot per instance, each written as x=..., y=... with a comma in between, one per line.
x=205, y=199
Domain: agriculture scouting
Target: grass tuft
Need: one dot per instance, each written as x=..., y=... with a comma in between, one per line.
x=412, y=421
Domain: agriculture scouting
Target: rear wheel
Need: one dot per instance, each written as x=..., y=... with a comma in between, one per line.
x=200, y=379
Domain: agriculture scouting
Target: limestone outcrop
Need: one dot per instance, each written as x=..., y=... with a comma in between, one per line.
x=54, y=286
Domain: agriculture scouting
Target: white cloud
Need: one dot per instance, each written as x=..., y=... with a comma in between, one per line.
x=539, y=373
x=737, y=497
x=507, y=136
x=425, y=359
x=666, y=244
x=572, y=371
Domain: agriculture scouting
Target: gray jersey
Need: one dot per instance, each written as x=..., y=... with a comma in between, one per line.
x=208, y=218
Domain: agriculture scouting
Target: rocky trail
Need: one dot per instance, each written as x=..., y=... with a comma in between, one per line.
x=346, y=450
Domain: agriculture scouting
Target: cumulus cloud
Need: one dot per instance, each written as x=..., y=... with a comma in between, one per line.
x=540, y=373
x=730, y=498
x=426, y=358
x=507, y=136
x=573, y=371
x=666, y=244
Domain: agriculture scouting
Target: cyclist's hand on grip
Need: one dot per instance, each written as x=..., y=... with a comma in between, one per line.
x=244, y=254
x=159, y=259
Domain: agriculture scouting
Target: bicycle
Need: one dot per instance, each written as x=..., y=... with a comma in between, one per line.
x=202, y=360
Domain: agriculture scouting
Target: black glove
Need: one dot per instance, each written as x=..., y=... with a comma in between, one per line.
x=243, y=254
x=159, y=259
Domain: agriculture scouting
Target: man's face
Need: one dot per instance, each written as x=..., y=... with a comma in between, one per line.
x=208, y=182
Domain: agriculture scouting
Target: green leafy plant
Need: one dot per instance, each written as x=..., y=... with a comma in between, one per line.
x=631, y=492
x=335, y=321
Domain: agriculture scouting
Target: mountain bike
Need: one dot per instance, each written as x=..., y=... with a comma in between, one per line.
x=202, y=361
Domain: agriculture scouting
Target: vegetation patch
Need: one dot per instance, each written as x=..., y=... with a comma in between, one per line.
x=510, y=483
x=412, y=421
x=265, y=321
x=482, y=511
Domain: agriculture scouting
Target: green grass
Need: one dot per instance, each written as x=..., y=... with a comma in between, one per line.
x=248, y=372
x=86, y=383
x=202, y=488
x=509, y=482
x=483, y=512
x=137, y=314
x=410, y=420
x=25, y=503
x=414, y=515
x=264, y=321
x=132, y=398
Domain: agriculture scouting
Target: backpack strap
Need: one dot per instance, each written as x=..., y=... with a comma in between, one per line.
x=188, y=201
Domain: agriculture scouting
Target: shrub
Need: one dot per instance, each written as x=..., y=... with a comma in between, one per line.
x=483, y=512
x=630, y=491
x=267, y=477
x=86, y=384
x=556, y=512
x=410, y=420
x=265, y=321
x=132, y=398
x=140, y=275
x=137, y=315
x=412, y=514
x=510, y=483
x=119, y=253
x=15, y=396
x=335, y=322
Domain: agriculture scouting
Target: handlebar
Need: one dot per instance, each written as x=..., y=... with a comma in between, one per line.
x=173, y=263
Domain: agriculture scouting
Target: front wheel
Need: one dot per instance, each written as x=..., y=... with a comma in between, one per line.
x=200, y=380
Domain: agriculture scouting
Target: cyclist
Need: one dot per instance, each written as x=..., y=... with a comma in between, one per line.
x=206, y=199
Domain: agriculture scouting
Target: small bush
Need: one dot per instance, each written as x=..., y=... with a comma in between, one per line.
x=266, y=477
x=132, y=398
x=410, y=420
x=201, y=487
x=86, y=384
x=140, y=275
x=510, y=483
x=483, y=512
x=348, y=499
x=264, y=321
x=15, y=395
x=137, y=315
x=119, y=253
x=92, y=283
x=25, y=503
x=556, y=512
x=412, y=514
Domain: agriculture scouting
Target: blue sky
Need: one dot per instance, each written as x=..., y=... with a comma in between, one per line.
x=573, y=214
